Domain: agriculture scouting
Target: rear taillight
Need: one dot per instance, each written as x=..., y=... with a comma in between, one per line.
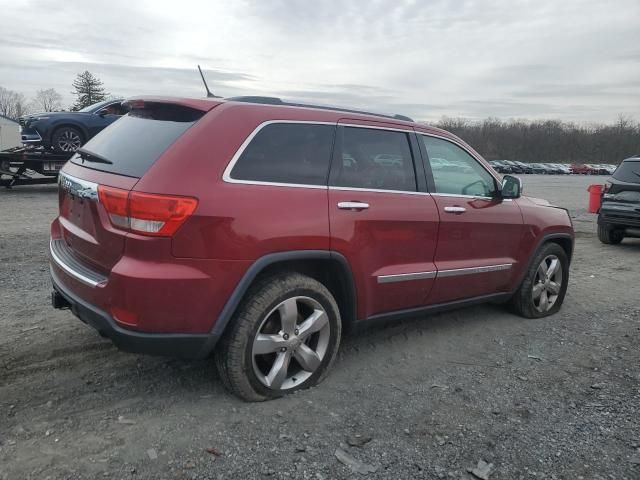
x=606, y=187
x=146, y=213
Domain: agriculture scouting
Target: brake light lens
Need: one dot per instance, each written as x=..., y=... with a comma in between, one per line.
x=146, y=213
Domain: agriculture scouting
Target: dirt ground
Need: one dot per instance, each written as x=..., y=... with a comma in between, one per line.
x=556, y=398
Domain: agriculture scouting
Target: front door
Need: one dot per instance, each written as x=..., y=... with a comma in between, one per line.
x=479, y=233
x=381, y=217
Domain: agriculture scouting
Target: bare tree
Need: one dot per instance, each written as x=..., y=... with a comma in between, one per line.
x=549, y=140
x=12, y=104
x=47, y=100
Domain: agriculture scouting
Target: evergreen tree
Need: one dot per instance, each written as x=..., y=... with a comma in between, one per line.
x=88, y=90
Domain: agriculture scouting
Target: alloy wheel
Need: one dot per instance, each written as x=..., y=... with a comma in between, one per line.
x=291, y=343
x=547, y=284
x=69, y=141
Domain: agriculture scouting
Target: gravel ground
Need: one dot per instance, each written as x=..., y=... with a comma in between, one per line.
x=556, y=398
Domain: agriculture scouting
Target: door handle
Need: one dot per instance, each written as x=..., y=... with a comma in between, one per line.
x=455, y=209
x=353, y=205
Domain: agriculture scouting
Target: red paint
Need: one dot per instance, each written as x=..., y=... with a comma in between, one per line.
x=180, y=283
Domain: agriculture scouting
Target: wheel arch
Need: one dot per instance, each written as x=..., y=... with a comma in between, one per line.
x=328, y=267
x=68, y=123
x=564, y=240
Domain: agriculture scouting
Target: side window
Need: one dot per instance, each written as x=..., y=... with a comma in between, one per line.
x=287, y=153
x=455, y=171
x=376, y=159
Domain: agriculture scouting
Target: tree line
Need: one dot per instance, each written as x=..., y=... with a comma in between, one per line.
x=551, y=141
x=87, y=88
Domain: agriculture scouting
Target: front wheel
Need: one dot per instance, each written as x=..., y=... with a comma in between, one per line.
x=545, y=284
x=284, y=337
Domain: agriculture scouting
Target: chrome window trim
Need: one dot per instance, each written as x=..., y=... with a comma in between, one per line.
x=78, y=187
x=401, y=277
x=226, y=175
x=458, y=144
x=471, y=270
x=376, y=190
x=473, y=197
x=376, y=127
x=69, y=270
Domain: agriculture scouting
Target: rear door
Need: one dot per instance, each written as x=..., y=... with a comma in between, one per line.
x=381, y=218
x=479, y=234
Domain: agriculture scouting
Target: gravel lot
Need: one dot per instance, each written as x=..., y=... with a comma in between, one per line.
x=556, y=398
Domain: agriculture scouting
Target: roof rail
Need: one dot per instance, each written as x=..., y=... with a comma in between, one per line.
x=278, y=101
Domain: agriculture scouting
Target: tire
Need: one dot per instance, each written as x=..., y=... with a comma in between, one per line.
x=259, y=325
x=528, y=301
x=67, y=139
x=610, y=236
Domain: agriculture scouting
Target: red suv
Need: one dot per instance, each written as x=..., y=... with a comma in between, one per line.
x=259, y=230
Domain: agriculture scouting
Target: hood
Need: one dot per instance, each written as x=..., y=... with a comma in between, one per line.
x=52, y=114
x=539, y=201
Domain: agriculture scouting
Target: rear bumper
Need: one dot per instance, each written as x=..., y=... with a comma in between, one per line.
x=166, y=344
x=619, y=216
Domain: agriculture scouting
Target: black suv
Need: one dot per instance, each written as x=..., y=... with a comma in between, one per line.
x=620, y=211
x=65, y=132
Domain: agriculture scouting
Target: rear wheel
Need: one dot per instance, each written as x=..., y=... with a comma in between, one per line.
x=610, y=236
x=283, y=338
x=66, y=140
x=545, y=284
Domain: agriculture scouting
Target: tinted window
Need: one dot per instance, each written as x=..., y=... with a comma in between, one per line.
x=287, y=153
x=628, y=171
x=376, y=159
x=134, y=142
x=455, y=171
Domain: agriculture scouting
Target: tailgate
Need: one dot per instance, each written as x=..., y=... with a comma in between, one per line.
x=84, y=224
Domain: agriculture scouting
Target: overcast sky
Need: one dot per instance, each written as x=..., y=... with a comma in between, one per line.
x=573, y=60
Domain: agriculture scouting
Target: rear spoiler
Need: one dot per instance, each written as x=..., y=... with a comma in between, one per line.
x=204, y=105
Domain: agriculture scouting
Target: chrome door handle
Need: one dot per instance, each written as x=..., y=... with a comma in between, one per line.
x=455, y=209
x=353, y=205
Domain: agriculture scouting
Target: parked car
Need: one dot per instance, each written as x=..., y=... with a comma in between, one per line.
x=562, y=168
x=526, y=168
x=619, y=214
x=539, y=168
x=598, y=169
x=581, y=169
x=500, y=167
x=515, y=168
x=67, y=131
x=260, y=231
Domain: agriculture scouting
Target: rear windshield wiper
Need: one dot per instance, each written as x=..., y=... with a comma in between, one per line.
x=92, y=157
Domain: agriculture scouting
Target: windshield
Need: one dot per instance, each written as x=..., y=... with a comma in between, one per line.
x=95, y=107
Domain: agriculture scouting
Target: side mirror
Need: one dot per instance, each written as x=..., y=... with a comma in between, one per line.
x=511, y=187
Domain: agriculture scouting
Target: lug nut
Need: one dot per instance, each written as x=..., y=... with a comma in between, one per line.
x=285, y=336
x=296, y=331
x=283, y=349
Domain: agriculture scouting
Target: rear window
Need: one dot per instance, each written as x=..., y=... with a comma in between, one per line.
x=132, y=144
x=292, y=153
x=628, y=171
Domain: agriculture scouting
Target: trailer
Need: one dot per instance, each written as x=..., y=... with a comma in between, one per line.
x=30, y=166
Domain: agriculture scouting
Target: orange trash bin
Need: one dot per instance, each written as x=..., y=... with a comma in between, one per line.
x=595, y=198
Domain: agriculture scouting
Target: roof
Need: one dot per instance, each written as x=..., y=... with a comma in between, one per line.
x=10, y=119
